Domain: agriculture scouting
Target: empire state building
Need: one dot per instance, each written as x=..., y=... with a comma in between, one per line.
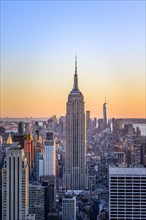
x=75, y=176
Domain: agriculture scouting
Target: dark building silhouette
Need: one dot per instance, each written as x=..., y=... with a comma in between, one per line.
x=49, y=181
x=53, y=215
x=19, y=138
x=143, y=154
x=2, y=130
x=20, y=127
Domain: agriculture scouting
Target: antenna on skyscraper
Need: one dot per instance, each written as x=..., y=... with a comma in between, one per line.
x=75, y=63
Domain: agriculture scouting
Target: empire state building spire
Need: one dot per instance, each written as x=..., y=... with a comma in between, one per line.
x=75, y=175
x=75, y=87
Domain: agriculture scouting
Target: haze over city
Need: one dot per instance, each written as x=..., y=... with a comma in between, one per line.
x=39, y=40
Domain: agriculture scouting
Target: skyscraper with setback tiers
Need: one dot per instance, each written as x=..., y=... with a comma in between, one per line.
x=75, y=176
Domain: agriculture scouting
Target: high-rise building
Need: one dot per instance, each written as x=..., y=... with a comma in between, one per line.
x=2, y=130
x=50, y=155
x=105, y=116
x=88, y=120
x=39, y=165
x=49, y=181
x=42, y=197
x=20, y=127
x=19, y=138
x=0, y=192
x=27, y=127
x=75, y=176
x=15, y=179
x=37, y=200
x=69, y=208
x=100, y=124
x=118, y=123
x=54, y=122
x=29, y=151
x=143, y=154
x=93, y=123
x=127, y=192
x=128, y=128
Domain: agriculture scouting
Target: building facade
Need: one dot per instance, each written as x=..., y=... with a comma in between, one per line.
x=75, y=176
x=69, y=208
x=37, y=201
x=127, y=192
x=49, y=182
x=50, y=156
x=15, y=180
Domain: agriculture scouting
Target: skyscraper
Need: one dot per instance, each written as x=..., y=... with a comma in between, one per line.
x=143, y=154
x=127, y=192
x=75, y=176
x=37, y=200
x=20, y=127
x=15, y=184
x=29, y=151
x=105, y=116
x=49, y=181
x=50, y=155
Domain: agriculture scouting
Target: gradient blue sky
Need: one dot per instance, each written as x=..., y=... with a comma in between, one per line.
x=39, y=40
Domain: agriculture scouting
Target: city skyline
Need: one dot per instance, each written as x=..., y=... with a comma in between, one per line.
x=38, y=44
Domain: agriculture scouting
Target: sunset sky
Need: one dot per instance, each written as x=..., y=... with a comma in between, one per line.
x=39, y=40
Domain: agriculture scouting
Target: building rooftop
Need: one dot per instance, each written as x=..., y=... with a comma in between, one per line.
x=118, y=165
x=124, y=169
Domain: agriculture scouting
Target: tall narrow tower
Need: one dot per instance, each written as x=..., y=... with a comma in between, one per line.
x=105, y=116
x=75, y=176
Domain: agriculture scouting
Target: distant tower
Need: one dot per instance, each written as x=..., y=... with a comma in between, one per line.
x=88, y=120
x=75, y=176
x=20, y=127
x=15, y=181
x=105, y=116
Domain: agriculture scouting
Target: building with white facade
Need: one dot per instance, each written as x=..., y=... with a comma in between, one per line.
x=127, y=192
x=15, y=180
x=50, y=156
